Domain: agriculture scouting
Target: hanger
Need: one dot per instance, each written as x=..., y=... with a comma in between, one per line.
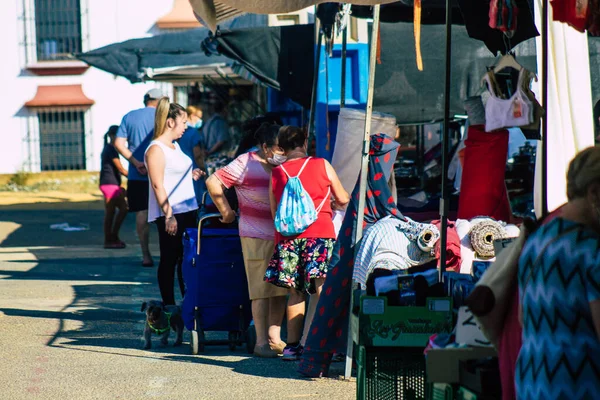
x=507, y=61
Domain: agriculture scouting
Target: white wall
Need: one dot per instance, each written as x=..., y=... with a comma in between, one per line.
x=108, y=21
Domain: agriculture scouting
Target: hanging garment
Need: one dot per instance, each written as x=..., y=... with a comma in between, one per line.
x=401, y=244
x=483, y=190
x=500, y=113
x=328, y=332
x=503, y=15
x=575, y=13
x=453, y=249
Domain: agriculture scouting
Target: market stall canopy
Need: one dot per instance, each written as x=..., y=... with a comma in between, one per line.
x=212, y=12
x=279, y=57
x=132, y=59
x=473, y=14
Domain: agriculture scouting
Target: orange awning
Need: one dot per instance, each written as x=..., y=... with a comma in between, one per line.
x=60, y=96
x=180, y=17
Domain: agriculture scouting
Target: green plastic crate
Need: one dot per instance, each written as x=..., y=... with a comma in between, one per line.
x=465, y=394
x=440, y=391
x=381, y=325
x=390, y=374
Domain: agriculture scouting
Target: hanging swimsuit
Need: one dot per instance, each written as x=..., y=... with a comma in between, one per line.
x=516, y=111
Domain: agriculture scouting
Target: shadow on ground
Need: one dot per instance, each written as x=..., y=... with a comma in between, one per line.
x=108, y=287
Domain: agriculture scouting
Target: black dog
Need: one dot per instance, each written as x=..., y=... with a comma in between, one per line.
x=160, y=319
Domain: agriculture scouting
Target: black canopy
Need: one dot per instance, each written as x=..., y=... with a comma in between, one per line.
x=131, y=58
x=280, y=57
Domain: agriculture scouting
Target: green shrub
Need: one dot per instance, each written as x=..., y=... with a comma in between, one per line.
x=20, y=178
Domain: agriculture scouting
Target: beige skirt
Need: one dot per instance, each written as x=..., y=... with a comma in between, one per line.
x=257, y=254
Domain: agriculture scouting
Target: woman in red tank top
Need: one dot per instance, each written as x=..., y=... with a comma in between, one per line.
x=300, y=262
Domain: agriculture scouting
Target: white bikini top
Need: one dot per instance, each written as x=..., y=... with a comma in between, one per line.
x=508, y=113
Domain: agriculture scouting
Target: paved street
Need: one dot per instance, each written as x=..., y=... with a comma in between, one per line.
x=70, y=324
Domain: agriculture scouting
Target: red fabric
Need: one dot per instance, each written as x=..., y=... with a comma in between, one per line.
x=452, y=246
x=576, y=13
x=483, y=190
x=509, y=347
x=315, y=181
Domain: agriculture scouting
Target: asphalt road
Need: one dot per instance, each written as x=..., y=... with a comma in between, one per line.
x=71, y=326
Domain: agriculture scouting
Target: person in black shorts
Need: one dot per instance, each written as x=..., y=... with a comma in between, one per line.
x=114, y=195
x=133, y=137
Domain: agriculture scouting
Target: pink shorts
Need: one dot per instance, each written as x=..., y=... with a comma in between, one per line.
x=111, y=191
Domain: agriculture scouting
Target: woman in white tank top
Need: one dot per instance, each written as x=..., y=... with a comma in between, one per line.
x=172, y=202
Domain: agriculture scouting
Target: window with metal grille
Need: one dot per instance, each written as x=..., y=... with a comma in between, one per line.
x=58, y=29
x=62, y=140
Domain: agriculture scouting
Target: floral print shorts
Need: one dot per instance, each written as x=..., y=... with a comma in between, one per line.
x=297, y=262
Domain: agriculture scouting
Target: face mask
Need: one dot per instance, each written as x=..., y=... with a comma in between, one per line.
x=277, y=159
x=198, y=124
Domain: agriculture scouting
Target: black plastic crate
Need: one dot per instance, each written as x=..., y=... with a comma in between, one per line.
x=391, y=373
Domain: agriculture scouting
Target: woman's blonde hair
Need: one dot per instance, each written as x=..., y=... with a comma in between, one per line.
x=193, y=110
x=165, y=110
x=584, y=170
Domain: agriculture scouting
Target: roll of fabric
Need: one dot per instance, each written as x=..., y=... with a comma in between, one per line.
x=483, y=235
x=427, y=239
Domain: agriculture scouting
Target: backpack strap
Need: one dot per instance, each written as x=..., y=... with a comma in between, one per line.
x=303, y=166
x=318, y=209
x=301, y=169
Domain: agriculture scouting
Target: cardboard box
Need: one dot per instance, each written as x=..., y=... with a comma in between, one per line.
x=443, y=364
x=467, y=330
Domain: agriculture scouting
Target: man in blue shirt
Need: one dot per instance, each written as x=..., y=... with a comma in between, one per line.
x=216, y=132
x=133, y=137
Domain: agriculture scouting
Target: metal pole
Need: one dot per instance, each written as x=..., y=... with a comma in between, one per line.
x=445, y=139
x=313, y=101
x=545, y=105
x=344, y=48
x=363, y=174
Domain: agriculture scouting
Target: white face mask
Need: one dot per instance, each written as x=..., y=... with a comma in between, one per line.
x=277, y=159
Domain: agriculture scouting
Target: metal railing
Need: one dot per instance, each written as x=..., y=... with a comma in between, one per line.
x=62, y=139
x=58, y=29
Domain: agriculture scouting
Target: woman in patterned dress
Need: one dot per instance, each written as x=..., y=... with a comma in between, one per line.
x=559, y=289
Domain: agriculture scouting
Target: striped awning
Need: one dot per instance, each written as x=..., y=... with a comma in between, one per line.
x=213, y=12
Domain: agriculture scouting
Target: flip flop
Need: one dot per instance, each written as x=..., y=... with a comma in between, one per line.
x=147, y=264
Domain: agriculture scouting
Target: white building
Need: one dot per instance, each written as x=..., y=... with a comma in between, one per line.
x=55, y=110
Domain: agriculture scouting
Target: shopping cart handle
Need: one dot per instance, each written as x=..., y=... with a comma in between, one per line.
x=204, y=218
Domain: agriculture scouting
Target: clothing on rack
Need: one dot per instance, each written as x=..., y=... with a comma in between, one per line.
x=575, y=13
x=520, y=110
x=503, y=15
x=328, y=332
x=483, y=190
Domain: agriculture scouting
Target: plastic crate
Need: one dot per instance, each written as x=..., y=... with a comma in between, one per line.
x=440, y=391
x=380, y=325
x=465, y=394
x=390, y=374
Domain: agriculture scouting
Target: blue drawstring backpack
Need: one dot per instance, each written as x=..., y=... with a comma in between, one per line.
x=296, y=211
